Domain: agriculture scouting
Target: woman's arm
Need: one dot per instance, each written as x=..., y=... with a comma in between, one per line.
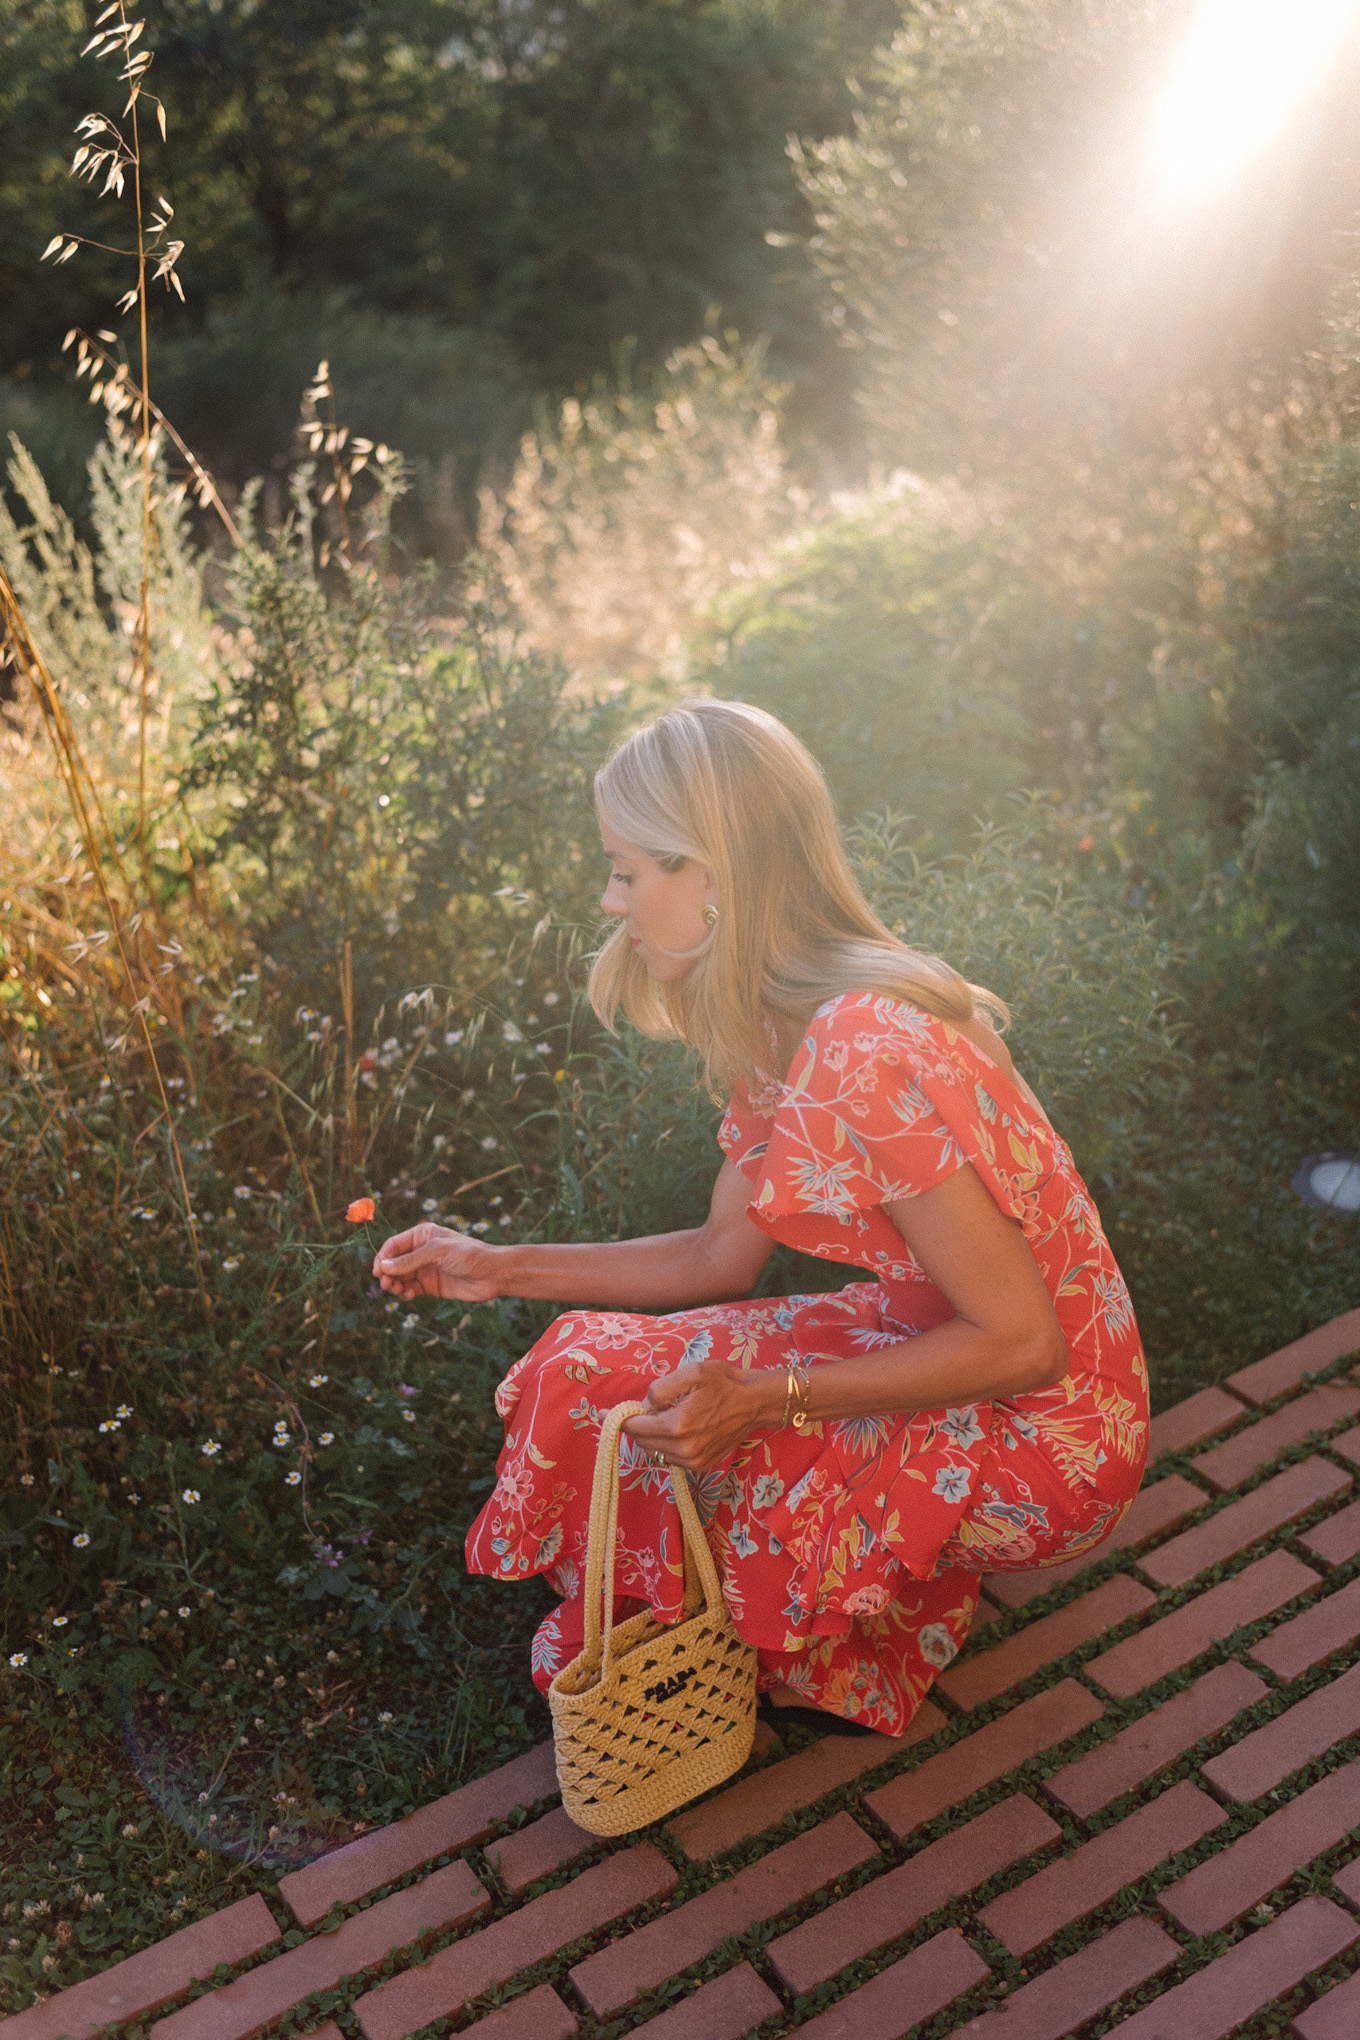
x=1004, y=1340
x=667, y=1271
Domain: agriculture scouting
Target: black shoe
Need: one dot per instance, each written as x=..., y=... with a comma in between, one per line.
x=815, y=1718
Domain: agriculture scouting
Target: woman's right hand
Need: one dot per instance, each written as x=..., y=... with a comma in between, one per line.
x=433, y=1260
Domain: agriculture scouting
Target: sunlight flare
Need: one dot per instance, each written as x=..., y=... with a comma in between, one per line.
x=1239, y=74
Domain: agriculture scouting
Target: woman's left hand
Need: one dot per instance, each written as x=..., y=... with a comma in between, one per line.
x=700, y=1415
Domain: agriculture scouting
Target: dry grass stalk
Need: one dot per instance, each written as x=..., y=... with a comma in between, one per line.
x=113, y=148
x=83, y=797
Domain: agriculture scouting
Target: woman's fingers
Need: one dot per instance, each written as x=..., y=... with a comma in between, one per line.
x=407, y=1260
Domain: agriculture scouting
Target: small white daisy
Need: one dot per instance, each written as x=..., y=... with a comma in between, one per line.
x=408, y=1416
x=184, y=1613
x=409, y=1322
x=292, y=1479
x=123, y=1411
x=26, y=1480
x=211, y=1449
x=111, y=1424
x=60, y=1621
x=191, y=1495
x=18, y=1660
x=81, y=1539
x=327, y=1438
x=317, y=1380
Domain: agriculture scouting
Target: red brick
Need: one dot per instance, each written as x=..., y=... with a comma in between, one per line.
x=1197, y=1418
x=1153, y=1510
x=439, y=1988
x=1335, y=2016
x=538, y=2015
x=259, y=1999
x=521, y=1858
x=1279, y=1372
x=618, y=1974
x=1276, y=1502
x=1336, y=1539
x=1052, y=1636
x=1181, y=1636
x=1228, y=1465
x=1156, y=1740
x=1312, y=1636
x=1215, y=2002
x=149, y=1979
x=822, y=1946
x=1348, y=1445
x=900, y=1999
x=756, y=1803
x=1221, y=1889
x=1258, y=1763
x=1347, y=1881
x=1074, y=1990
x=722, y=2010
x=439, y=1829
x=1066, y=1891
x=983, y=1757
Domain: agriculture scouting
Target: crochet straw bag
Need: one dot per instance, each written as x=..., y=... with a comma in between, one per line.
x=649, y=1715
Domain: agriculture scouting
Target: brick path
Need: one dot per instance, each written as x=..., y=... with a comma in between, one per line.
x=1133, y=1806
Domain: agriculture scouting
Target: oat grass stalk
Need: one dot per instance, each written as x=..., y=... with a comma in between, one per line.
x=113, y=149
x=112, y=384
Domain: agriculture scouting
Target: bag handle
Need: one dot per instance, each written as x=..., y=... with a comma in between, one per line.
x=602, y=1537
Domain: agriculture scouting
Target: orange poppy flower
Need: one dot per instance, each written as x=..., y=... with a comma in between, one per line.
x=361, y=1209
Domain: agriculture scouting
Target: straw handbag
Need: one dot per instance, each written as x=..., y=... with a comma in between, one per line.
x=648, y=1716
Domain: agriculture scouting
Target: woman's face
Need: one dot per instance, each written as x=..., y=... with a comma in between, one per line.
x=663, y=910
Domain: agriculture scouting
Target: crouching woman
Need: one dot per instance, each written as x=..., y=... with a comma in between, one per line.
x=860, y=1457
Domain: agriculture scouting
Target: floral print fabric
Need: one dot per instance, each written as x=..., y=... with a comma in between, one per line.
x=850, y=1552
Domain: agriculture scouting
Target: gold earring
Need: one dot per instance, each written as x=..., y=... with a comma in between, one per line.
x=710, y=917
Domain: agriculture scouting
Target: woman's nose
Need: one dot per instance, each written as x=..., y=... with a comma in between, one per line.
x=610, y=904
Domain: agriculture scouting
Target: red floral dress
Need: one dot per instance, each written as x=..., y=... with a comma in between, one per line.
x=850, y=1552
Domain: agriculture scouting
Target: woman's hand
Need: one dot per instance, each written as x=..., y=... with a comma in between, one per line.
x=700, y=1415
x=432, y=1260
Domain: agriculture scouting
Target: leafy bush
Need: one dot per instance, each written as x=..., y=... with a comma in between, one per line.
x=389, y=765
x=877, y=639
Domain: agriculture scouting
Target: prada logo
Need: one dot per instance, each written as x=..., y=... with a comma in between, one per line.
x=666, y=1689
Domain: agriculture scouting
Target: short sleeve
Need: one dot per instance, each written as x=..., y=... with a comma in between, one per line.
x=885, y=1102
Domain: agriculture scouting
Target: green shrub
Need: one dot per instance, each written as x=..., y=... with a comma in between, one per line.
x=449, y=393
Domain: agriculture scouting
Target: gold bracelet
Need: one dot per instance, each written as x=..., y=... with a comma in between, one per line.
x=802, y=1415
x=788, y=1399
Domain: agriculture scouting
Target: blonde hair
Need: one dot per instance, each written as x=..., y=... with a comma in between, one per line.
x=728, y=786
